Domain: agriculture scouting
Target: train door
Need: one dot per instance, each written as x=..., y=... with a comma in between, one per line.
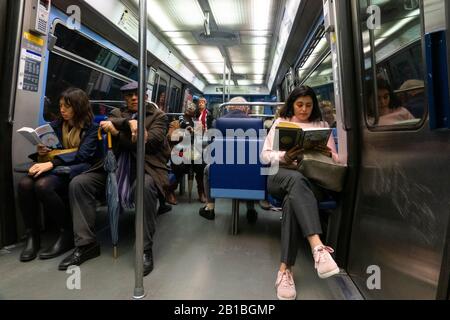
x=174, y=105
x=11, y=18
x=401, y=213
x=160, y=93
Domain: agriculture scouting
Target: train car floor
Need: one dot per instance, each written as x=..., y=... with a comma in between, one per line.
x=195, y=259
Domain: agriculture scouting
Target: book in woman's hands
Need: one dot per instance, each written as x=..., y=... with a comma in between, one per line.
x=44, y=135
x=290, y=135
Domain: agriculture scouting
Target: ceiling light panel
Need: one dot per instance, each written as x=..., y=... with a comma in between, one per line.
x=233, y=14
x=208, y=67
x=173, y=15
x=202, y=53
x=249, y=82
x=181, y=38
x=249, y=39
x=244, y=14
x=262, y=14
x=248, y=53
x=250, y=68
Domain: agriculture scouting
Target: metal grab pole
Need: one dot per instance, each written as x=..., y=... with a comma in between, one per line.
x=229, y=84
x=139, y=291
x=224, y=78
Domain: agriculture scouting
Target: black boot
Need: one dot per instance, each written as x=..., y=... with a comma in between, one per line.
x=63, y=244
x=32, y=246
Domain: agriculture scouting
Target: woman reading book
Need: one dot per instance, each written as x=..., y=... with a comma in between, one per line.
x=78, y=135
x=300, y=208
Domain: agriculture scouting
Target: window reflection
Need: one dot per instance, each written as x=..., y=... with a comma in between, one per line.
x=397, y=79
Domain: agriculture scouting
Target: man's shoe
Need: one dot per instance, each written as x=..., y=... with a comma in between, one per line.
x=207, y=213
x=252, y=216
x=164, y=208
x=32, y=246
x=171, y=198
x=265, y=205
x=63, y=244
x=80, y=255
x=148, y=262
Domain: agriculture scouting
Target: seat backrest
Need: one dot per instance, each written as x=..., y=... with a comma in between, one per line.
x=223, y=124
x=238, y=180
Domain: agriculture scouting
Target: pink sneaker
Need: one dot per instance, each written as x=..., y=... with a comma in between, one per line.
x=285, y=286
x=324, y=263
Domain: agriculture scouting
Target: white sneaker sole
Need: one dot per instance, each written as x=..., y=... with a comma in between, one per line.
x=286, y=299
x=328, y=274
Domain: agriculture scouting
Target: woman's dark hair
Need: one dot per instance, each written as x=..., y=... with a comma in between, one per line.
x=79, y=101
x=384, y=85
x=287, y=111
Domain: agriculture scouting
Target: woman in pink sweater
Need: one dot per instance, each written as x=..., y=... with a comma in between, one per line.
x=300, y=209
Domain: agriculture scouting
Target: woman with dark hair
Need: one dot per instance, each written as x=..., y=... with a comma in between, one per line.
x=389, y=109
x=77, y=134
x=300, y=209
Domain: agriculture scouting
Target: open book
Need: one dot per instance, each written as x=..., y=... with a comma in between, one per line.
x=41, y=135
x=289, y=135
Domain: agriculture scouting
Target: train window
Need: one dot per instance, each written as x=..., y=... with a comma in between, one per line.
x=161, y=94
x=316, y=71
x=174, y=99
x=64, y=73
x=321, y=80
x=76, y=43
x=394, y=90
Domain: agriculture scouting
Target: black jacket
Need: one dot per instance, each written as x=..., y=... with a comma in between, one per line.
x=89, y=151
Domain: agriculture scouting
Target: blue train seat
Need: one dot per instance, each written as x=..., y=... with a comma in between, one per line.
x=242, y=179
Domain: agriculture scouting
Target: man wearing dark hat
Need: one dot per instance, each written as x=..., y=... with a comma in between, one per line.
x=86, y=188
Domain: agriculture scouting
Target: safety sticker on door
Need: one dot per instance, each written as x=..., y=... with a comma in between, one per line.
x=29, y=70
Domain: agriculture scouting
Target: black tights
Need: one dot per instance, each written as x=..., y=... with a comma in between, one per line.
x=51, y=191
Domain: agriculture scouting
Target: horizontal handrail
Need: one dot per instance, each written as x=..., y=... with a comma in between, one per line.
x=251, y=104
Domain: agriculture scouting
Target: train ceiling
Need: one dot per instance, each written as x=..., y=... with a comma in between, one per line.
x=209, y=33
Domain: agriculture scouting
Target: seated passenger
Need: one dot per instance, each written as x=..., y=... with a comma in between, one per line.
x=300, y=207
x=389, y=111
x=186, y=122
x=76, y=130
x=326, y=107
x=86, y=188
x=207, y=212
x=414, y=97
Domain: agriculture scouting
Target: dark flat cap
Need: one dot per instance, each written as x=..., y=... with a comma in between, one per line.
x=132, y=86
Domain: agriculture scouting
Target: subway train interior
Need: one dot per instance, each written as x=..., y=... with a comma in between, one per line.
x=389, y=223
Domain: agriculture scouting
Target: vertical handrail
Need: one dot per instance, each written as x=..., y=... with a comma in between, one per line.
x=139, y=291
x=224, y=79
x=229, y=84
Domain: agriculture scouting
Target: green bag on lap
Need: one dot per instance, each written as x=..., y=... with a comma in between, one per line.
x=323, y=171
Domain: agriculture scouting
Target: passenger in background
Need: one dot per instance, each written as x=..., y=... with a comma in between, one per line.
x=203, y=115
x=326, y=107
x=78, y=134
x=162, y=101
x=300, y=208
x=185, y=122
x=85, y=189
x=207, y=212
x=389, y=111
x=413, y=93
